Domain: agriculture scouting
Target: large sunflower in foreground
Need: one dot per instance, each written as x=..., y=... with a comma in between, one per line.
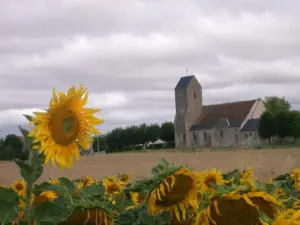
x=65, y=126
x=239, y=209
x=175, y=194
x=89, y=216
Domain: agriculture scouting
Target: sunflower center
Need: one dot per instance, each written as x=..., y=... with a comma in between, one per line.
x=210, y=180
x=64, y=125
x=68, y=124
x=112, y=188
x=19, y=187
x=182, y=186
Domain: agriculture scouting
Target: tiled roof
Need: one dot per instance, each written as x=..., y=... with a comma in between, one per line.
x=234, y=112
x=251, y=125
x=184, y=82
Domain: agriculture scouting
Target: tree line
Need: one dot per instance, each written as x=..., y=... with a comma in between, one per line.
x=135, y=137
x=279, y=120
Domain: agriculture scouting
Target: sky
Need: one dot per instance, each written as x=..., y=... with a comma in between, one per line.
x=130, y=54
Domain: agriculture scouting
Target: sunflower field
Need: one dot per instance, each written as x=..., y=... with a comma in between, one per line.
x=173, y=194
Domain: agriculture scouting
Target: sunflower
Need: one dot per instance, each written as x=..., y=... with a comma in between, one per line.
x=207, y=178
x=295, y=175
x=279, y=192
x=247, y=177
x=174, y=194
x=239, y=209
x=54, y=181
x=289, y=217
x=44, y=196
x=89, y=216
x=296, y=204
x=19, y=186
x=65, y=126
x=112, y=186
x=85, y=181
x=110, y=179
x=137, y=199
x=124, y=177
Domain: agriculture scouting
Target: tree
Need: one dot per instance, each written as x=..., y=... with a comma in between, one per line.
x=294, y=124
x=7, y=153
x=99, y=143
x=267, y=127
x=283, y=123
x=275, y=105
x=153, y=132
x=167, y=132
x=133, y=137
x=16, y=144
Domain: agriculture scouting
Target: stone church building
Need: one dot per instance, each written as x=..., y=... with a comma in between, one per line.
x=220, y=125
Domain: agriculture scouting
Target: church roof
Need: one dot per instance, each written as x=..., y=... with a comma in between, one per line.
x=184, y=82
x=251, y=125
x=234, y=112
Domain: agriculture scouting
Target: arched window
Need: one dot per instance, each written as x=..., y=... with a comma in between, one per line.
x=195, y=96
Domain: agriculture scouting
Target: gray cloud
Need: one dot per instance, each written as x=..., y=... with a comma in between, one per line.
x=130, y=54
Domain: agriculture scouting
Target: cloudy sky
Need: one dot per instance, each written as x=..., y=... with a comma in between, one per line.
x=130, y=54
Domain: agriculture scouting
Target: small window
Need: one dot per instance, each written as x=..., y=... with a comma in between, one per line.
x=221, y=134
x=180, y=96
x=195, y=96
x=246, y=135
x=194, y=136
x=204, y=136
x=183, y=136
x=236, y=138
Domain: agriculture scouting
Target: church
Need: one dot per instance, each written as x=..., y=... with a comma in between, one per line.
x=230, y=124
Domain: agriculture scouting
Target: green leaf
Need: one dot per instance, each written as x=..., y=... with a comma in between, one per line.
x=93, y=190
x=8, y=195
x=50, y=212
x=29, y=118
x=38, y=158
x=8, y=212
x=28, y=140
x=25, y=169
x=24, y=166
x=29, y=172
x=126, y=218
x=68, y=184
x=164, y=163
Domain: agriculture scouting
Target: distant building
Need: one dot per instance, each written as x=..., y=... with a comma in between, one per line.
x=219, y=125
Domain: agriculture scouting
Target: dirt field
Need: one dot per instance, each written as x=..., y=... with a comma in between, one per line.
x=266, y=164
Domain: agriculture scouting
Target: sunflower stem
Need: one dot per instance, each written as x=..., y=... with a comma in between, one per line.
x=29, y=190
